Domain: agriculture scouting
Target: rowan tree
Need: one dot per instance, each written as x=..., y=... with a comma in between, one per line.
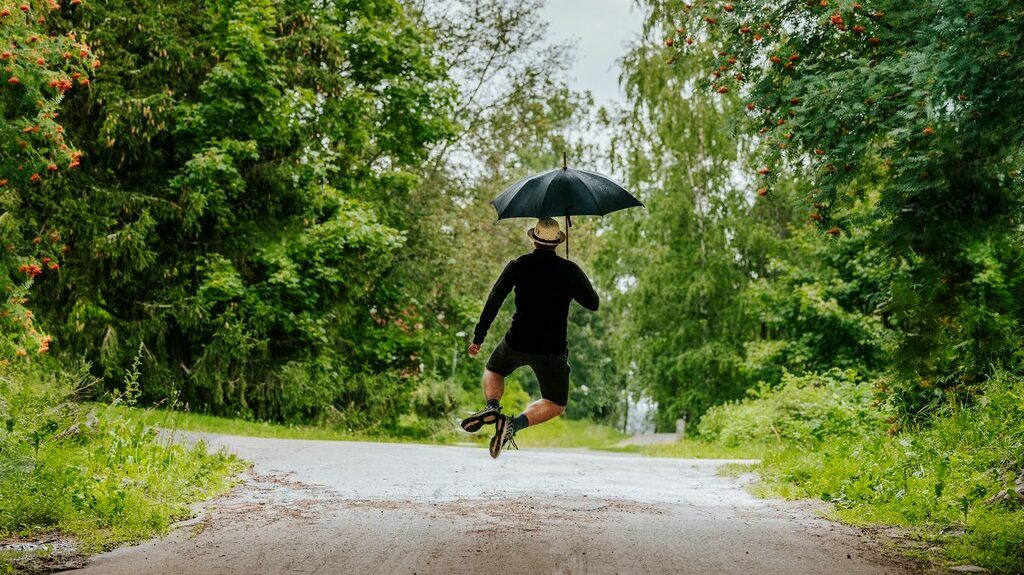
x=920, y=101
x=38, y=69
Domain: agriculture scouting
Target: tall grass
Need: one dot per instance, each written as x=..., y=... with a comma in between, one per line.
x=951, y=479
x=86, y=470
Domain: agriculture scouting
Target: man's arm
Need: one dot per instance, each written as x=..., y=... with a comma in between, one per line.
x=585, y=293
x=499, y=292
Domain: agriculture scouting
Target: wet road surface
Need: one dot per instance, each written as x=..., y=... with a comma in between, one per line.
x=326, y=507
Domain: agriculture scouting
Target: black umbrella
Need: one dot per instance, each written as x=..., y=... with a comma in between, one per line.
x=563, y=192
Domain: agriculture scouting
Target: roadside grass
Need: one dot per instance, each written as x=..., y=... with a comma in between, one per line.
x=954, y=482
x=694, y=448
x=956, y=527
x=561, y=432
x=943, y=496
x=735, y=470
x=557, y=433
x=88, y=473
x=188, y=421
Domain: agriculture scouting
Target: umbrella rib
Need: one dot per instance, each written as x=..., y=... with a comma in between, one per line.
x=547, y=189
x=512, y=193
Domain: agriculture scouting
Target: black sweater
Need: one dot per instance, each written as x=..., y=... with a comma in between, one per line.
x=545, y=284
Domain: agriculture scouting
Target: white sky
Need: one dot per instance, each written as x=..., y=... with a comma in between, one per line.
x=600, y=31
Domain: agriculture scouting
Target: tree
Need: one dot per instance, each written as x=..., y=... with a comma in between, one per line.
x=673, y=270
x=38, y=70
x=437, y=276
x=816, y=303
x=919, y=100
x=233, y=210
x=725, y=284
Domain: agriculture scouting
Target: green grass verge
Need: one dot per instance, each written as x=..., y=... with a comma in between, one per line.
x=186, y=421
x=948, y=481
x=557, y=433
x=560, y=432
x=942, y=499
x=691, y=448
x=89, y=473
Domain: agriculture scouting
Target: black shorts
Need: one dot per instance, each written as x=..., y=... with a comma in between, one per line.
x=552, y=370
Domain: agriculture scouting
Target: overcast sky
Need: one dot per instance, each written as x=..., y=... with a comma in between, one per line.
x=600, y=30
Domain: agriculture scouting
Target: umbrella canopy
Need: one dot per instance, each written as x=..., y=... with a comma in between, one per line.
x=563, y=192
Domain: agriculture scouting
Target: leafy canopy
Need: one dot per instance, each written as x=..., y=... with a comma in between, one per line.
x=920, y=100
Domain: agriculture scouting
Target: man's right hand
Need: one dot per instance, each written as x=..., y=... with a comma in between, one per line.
x=473, y=349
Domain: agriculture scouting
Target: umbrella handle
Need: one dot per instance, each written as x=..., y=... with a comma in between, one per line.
x=568, y=224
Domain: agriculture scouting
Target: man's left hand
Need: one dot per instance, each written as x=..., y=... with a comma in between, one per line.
x=473, y=349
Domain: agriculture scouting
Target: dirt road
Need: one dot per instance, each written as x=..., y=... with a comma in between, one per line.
x=321, y=507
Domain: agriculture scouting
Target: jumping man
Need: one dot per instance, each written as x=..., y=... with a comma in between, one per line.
x=545, y=285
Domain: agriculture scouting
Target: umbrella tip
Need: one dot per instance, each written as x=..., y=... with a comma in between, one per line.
x=565, y=160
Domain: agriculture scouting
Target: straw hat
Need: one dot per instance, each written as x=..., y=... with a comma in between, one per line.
x=546, y=232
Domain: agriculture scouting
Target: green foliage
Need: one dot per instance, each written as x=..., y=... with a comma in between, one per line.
x=514, y=115
x=673, y=267
x=917, y=100
x=866, y=234
x=719, y=288
x=802, y=410
x=817, y=301
x=953, y=481
x=263, y=197
x=38, y=69
x=235, y=210
x=944, y=476
x=598, y=380
x=88, y=471
x=19, y=335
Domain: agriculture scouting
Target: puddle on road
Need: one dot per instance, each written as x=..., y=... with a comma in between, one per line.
x=40, y=555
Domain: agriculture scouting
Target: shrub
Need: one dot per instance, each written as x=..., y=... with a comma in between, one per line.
x=954, y=480
x=802, y=409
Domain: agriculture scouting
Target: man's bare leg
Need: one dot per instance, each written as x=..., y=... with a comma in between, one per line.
x=494, y=385
x=542, y=410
